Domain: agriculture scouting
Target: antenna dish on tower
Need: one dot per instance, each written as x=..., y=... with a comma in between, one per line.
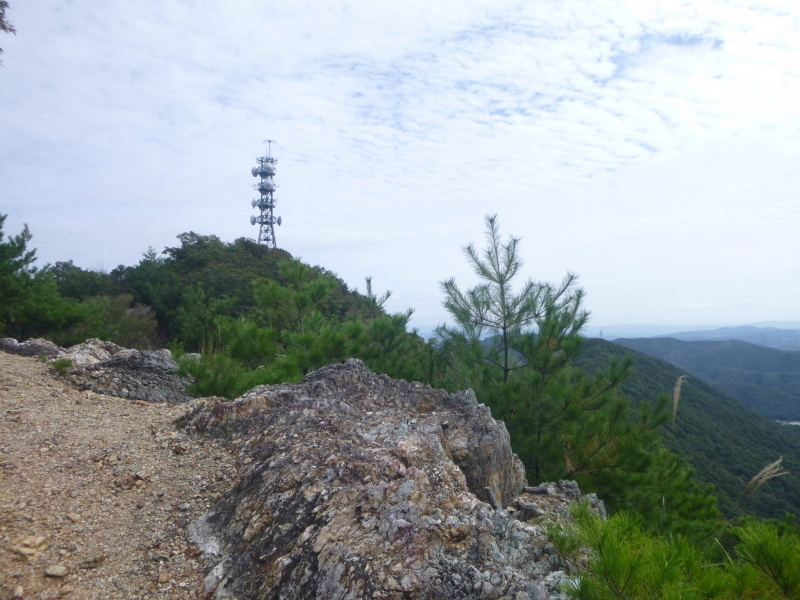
x=266, y=186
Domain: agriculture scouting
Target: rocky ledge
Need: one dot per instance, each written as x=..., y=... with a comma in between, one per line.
x=106, y=368
x=358, y=486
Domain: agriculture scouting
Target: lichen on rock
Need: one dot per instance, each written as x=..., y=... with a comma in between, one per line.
x=356, y=486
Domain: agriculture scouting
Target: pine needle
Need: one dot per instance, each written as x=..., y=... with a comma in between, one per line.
x=676, y=397
x=764, y=475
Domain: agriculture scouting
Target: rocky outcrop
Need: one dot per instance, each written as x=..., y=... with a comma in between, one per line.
x=359, y=486
x=35, y=347
x=106, y=368
x=90, y=352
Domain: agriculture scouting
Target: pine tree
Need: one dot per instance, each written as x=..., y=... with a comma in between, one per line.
x=15, y=269
x=30, y=304
x=300, y=296
x=493, y=307
x=563, y=423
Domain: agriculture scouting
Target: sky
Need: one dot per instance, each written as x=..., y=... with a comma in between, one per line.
x=651, y=147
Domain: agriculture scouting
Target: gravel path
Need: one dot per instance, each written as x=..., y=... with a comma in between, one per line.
x=96, y=491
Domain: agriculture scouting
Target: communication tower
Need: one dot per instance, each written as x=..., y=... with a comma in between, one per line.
x=266, y=203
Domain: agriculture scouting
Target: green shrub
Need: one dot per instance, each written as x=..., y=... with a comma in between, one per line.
x=62, y=365
x=625, y=561
x=114, y=319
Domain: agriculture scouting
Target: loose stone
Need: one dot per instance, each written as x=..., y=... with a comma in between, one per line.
x=56, y=571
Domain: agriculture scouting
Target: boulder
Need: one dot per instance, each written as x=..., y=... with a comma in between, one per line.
x=358, y=486
x=106, y=368
x=90, y=352
x=35, y=347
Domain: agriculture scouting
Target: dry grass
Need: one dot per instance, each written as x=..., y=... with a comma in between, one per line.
x=770, y=471
x=676, y=397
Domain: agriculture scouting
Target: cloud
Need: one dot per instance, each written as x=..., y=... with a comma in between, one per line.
x=632, y=142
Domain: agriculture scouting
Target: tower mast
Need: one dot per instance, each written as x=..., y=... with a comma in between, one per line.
x=266, y=203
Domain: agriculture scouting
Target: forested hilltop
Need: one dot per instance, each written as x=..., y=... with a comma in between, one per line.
x=260, y=316
x=181, y=289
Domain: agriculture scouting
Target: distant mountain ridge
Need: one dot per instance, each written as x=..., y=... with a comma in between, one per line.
x=765, y=379
x=770, y=337
x=763, y=333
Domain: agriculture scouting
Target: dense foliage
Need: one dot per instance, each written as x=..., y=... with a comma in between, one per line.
x=245, y=351
x=760, y=562
x=30, y=304
x=185, y=288
x=256, y=314
x=766, y=379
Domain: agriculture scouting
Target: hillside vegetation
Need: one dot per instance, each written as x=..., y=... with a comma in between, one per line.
x=725, y=440
x=765, y=379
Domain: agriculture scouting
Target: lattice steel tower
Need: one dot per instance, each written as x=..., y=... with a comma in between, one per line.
x=266, y=203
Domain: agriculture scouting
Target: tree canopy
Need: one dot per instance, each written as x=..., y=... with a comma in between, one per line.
x=30, y=304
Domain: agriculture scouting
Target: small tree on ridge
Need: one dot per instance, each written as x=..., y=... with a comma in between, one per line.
x=493, y=306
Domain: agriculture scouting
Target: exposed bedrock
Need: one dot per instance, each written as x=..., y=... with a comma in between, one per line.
x=34, y=347
x=106, y=368
x=360, y=486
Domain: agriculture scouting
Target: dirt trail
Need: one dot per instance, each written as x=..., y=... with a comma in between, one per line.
x=96, y=491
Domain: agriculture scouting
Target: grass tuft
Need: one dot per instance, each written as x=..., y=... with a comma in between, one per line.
x=676, y=397
x=770, y=471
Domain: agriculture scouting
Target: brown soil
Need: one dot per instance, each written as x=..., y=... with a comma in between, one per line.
x=101, y=487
